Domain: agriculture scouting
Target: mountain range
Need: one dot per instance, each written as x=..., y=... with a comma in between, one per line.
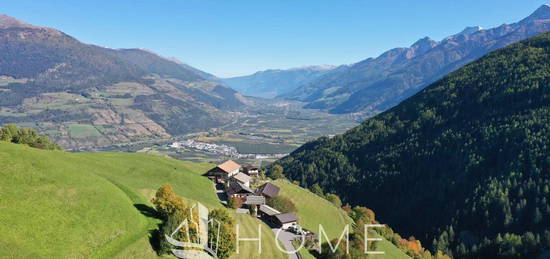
x=89, y=96
x=85, y=95
x=274, y=82
x=462, y=165
x=377, y=84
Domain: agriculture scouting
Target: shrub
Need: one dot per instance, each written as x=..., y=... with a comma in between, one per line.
x=315, y=188
x=334, y=199
x=223, y=242
x=11, y=133
x=276, y=172
x=252, y=210
x=234, y=203
x=282, y=204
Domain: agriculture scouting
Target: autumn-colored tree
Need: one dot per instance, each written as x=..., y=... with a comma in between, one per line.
x=221, y=237
x=364, y=214
x=174, y=211
x=411, y=246
x=166, y=201
x=234, y=203
x=346, y=208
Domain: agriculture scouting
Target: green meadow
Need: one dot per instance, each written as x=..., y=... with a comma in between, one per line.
x=314, y=211
x=60, y=204
x=56, y=204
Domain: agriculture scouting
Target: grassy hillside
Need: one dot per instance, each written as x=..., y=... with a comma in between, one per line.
x=249, y=229
x=314, y=211
x=51, y=207
x=477, y=141
x=60, y=204
x=309, y=205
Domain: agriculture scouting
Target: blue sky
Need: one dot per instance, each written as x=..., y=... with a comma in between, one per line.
x=229, y=38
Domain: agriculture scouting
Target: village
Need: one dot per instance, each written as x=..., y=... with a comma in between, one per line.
x=243, y=189
x=221, y=149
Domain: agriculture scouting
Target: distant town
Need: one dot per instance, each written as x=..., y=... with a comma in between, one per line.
x=221, y=149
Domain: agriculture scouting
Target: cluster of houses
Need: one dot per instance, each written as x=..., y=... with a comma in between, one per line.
x=237, y=179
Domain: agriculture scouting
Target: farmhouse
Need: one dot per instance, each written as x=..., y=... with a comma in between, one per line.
x=282, y=220
x=268, y=212
x=268, y=190
x=238, y=190
x=222, y=172
x=242, y=179
x=285, y=220
x=251, y=170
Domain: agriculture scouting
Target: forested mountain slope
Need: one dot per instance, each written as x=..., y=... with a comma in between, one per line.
x=377, y=84
x=460, y=164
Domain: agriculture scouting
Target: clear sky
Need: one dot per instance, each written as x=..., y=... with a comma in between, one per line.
x=233, y=37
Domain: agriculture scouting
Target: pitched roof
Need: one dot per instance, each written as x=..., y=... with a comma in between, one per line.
x=286, y=218
x=235, y=187
x=255, y=200
x=269, y=211
x=250, y=167
x=268, y=189
x=229, y=166
x=243, y=178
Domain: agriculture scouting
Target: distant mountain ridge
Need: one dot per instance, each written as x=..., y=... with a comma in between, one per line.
x=376, y=84
x=274, y=82
x=86, y=95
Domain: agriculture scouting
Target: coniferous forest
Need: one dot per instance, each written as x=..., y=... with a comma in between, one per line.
x=464, y=165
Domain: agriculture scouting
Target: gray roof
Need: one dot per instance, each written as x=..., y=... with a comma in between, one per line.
x=236, y=187
x=255, y=200
x=286, y=218
x=243, y=178
x=269, y=211
x=268, y=189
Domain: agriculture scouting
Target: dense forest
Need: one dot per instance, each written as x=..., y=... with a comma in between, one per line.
x=463, y=165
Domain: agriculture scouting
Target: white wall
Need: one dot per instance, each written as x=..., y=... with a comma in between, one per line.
x=286, y=226
x=234, y=172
